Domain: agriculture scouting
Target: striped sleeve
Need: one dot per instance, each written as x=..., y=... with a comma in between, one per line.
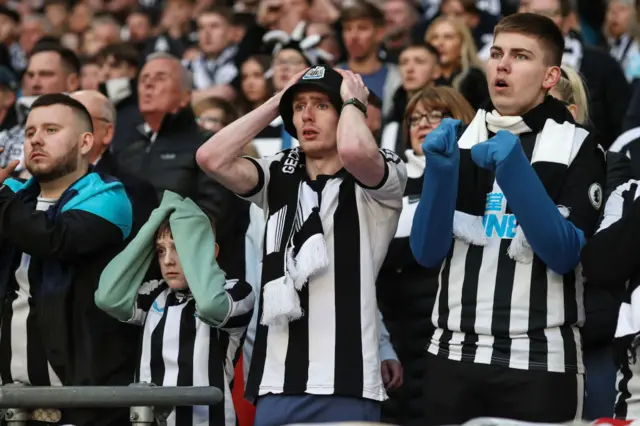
x=241, y=302
x=145, y=297
x=619, y=203
x=610, y=256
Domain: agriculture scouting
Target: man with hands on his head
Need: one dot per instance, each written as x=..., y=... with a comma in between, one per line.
x=507, y=205
x=331, y=204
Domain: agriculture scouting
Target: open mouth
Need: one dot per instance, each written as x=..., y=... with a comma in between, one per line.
x=309, y=133
x=501, y=83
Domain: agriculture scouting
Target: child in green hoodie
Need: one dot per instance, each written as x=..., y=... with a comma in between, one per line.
x=194, y=319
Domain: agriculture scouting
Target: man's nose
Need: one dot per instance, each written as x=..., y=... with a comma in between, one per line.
x=307, y=114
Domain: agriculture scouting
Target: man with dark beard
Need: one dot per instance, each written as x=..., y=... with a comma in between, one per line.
x=57, y=233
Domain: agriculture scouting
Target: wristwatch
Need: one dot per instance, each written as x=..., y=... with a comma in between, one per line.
x=356, y=103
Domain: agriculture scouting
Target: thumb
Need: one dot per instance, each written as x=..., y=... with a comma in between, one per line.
x=386, y=376
x=480, y=153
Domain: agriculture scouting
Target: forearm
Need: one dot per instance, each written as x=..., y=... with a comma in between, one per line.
x=116, y=296
x=212, y=301
x=64, y=239
x=611, y=256
x=552, y=237
x=432, y=229
x=223, y=148
x=357, y=147
x=386, y=348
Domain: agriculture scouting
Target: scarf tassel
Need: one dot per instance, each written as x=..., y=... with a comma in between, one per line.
x=311, y=258
x=281, y=302
x=519, y=249
x=469, y=228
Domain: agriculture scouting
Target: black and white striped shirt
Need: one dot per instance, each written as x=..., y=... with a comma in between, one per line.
x=22, y=351
x=491, y=309
x=333, y=349
x=179, y=349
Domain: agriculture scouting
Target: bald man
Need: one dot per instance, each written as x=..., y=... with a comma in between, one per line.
x=103, y=115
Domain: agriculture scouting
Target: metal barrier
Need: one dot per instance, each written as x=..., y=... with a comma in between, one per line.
x=148, y=404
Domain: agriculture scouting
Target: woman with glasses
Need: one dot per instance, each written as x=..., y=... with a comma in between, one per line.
x=406, y=290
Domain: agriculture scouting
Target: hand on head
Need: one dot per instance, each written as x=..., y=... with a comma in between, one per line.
x=353, y=87
x=293, y=80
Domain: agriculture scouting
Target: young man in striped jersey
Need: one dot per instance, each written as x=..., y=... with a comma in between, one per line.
x=332, y=206
x=194, y=319
x=507, y=205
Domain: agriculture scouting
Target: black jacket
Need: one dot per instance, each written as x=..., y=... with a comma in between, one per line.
x=406, y=296
x=608, y=90
x=169, y=163
x=141, y=193
x=70, y=244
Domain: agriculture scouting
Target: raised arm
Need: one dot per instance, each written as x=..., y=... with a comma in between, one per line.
x=221, y=155
x=554, y=239
x=357, y=147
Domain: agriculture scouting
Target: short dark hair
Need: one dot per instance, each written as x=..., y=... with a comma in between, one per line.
x=224, y=12
x=362, y=9
x=10, y=13
x=88, y=60
x=566, y=7
x=423, y=45
x=62, y=99
x=165, y=226
x=69, y=60
x=539, y=27
x=121, y=53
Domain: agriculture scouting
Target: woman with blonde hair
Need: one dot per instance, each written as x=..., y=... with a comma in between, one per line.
x=406, y=290
x=570, y=90
x=459, y=64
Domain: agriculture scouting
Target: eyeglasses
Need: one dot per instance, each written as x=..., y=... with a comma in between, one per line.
x=433, y=118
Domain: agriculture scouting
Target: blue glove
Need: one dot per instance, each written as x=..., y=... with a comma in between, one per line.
x=440, y=147
x=432, y=230
x=490, y=154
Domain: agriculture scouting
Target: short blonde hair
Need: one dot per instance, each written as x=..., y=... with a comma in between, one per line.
x=570, y=89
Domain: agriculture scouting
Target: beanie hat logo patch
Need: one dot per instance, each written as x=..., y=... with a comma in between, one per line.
x=315, y=73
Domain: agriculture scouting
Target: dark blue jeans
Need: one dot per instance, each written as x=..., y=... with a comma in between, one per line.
x=278, y=410
x=600, y=385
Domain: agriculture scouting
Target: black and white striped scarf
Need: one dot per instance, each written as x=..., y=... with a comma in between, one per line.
x=211, y=72
x=294, y=246
x=558, y=143
x=573, y=51
x=627, y=332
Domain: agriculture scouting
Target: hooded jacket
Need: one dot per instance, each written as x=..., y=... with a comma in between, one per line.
x=70, y=244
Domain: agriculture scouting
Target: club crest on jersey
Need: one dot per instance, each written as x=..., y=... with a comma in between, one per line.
x=316, y=73
x=390, y=156
x=595, y=195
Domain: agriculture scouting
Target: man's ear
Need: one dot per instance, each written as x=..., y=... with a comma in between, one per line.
x=86, y=143
x=73, y=82
x=552, y=77
x=217, y=250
